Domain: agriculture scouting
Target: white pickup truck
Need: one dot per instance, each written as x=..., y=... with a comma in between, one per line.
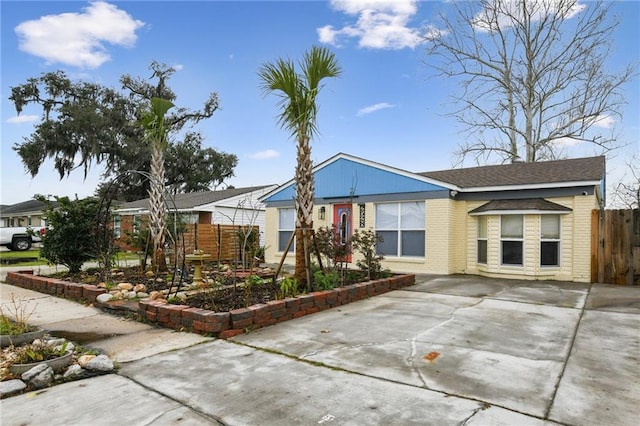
x=21, y=238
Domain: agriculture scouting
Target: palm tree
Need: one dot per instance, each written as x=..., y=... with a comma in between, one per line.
x=298, y=114
x=155, y=133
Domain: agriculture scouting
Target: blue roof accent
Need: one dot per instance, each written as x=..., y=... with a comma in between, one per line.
x=344, y=178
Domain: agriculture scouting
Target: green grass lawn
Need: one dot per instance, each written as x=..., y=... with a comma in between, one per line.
x=35, y=253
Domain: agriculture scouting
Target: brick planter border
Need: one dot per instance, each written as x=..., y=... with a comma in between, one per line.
x=219, y=324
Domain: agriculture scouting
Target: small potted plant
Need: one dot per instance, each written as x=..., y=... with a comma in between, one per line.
x=15, y=329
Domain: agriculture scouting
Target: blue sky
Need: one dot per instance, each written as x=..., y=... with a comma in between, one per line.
x=383, y=108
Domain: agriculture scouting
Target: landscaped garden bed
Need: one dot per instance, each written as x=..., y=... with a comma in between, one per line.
x=223, y=310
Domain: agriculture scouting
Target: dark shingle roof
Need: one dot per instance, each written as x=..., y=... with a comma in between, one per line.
x=29, y=206
x=194, y=199
x=544, y=172
x=538, y=204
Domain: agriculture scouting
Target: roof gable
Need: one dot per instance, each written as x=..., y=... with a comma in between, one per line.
x=539, y=174
x=344, y=176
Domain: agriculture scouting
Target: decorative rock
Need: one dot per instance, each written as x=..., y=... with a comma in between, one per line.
x=70, y=346
x=143, y=295
x=84, y=360
x=125, y=286
x=159, y=280
x=118, y=296
x=39, y=376
x=139, y=288
x=101, y=363
x=9, y=387
x=56, y=342
x=104, y=297
x=130, y=295
x=149, y=274
x=75, y=372
x=155, y=295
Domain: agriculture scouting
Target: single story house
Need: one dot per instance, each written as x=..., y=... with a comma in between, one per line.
x=520, y=220
x=25, y=213
x=234, y=206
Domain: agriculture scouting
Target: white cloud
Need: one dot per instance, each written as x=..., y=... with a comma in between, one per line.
x=78, y=39
x=381, y=24
x=509, y=10
x=265, y=155
x=567, y=142
x=374, y=108
x=18, y=119
x=605, y=122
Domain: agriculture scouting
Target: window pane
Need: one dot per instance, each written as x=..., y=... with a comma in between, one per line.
x=550, y=227
x=283, y=240
x=412, y=243
x=482, y=251
x=286, y=219
x=389, y=244
x=511, y=226
x=386, y=216
x=549, y=255
x=482, y=227
x=512, y=252
x=412, y=215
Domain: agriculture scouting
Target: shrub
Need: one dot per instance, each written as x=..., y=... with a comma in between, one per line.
x=365, y=242
x=325, y=280
x=70, y=237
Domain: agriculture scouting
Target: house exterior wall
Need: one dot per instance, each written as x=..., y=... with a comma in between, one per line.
x=451, y=240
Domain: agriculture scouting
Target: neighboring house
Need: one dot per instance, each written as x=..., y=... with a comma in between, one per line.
x=236, y=206
x=26, y=213
x=521, y=220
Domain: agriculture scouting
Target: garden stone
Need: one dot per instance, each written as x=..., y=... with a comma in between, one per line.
x=104, y=298
x=31, y=373
x=76, y=372
x=143, y=295
x=131, y=295
x=56, y=342
x=125, y=286
x=9, y=387
x=70, y=346
x=138, y=288
x=84, y=360
x=101, y=363
x=42, y=378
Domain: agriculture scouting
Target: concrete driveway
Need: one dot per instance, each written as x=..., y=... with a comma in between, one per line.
x=447, y=351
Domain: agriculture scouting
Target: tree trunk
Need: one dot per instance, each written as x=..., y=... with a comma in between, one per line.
x=157, y=209
x=304, y=212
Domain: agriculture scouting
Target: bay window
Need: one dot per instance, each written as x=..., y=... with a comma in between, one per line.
x=511, y=239
x=482, y=239
x=550, y=240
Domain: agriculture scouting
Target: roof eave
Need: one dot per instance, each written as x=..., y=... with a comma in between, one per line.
x=530, y=186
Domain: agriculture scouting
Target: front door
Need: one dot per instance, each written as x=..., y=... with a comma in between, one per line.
x=342, y=221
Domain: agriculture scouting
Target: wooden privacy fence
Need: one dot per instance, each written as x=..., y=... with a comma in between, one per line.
x=220, y=241
x=615, y=246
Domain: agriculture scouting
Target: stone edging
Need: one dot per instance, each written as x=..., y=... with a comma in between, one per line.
x=219, y=324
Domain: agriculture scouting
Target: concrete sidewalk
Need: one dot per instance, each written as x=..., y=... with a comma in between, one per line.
x=447, y=351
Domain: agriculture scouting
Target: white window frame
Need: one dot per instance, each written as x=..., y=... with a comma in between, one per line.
x=504, y=239
x=481, y=238
x=399, y=229
x=282, y=244
x=117, y=226
x=557, y=240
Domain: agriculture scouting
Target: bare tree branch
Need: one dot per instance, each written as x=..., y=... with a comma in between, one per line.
x=532, y=75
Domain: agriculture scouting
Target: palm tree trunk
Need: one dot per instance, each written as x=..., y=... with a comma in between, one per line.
x=304, y=212
x=157, y=209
